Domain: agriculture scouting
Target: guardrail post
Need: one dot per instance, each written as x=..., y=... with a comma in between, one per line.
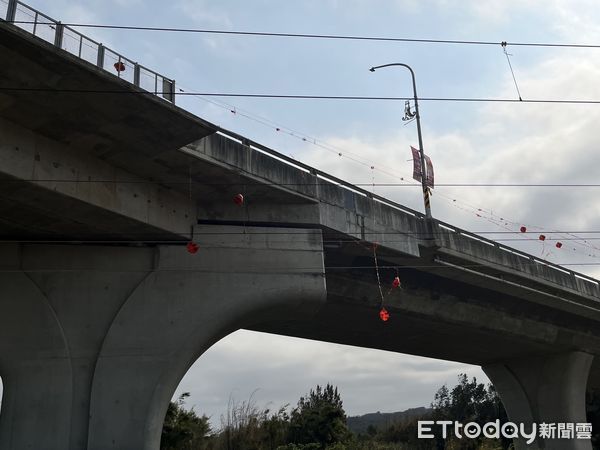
x=100, y=58
x=11, y=11
x=58, y=34
x=136, y=74
x=168, y=91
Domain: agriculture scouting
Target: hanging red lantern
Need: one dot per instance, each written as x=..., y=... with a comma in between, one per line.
x=238, y=199
x=192, y=247
x=523, y=229
x=542, y=237
x=396, y=282
x=384, y=315
x=558, y=244
x=119, y=66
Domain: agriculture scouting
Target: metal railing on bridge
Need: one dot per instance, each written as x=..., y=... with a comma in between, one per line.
x=72, y=41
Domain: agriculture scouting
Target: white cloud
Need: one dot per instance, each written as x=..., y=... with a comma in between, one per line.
x=204, y=13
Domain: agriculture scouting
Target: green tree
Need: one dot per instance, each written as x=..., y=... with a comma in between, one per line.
x=468, y=401
x=319, y=419
x=183, y=429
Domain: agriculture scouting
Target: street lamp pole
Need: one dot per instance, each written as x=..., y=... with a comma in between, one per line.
x=421, y=151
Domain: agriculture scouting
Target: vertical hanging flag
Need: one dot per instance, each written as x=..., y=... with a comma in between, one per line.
x=417, y=170
x=429, y=177
x=416, y=164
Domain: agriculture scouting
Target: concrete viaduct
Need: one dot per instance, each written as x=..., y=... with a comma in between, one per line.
x=102, y=309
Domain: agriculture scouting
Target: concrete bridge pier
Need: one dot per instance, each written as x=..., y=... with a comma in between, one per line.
x=94, y=340
x=545, y=389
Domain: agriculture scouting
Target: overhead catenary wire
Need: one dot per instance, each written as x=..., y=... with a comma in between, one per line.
x=274, y=269
x=300, y=96
x=314, y=35
x=300, y=184
x=282, y=231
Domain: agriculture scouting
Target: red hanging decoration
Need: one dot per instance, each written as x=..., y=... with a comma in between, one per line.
x=384, y=315
x=396, y=282
x=558, y=244
x=523, y=229
x=542, y=237
x=238, y=199
x=192, y=247
x=119, y=66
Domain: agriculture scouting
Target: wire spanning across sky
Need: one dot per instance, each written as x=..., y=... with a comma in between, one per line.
x=303, y=96
x=318, y=36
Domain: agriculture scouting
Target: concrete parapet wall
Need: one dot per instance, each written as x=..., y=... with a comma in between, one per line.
x=519, y=264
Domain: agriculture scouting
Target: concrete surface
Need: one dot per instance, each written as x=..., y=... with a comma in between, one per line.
x=94, y=339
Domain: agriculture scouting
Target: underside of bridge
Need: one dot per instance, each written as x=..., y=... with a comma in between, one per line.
x=102, y=309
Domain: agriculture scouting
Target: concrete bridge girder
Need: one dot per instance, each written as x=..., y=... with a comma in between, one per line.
x=94, y=340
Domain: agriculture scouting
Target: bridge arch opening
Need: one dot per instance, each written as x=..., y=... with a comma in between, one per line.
x=270, y=371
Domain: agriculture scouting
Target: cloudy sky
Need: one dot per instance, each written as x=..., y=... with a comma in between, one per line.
x=468, y=142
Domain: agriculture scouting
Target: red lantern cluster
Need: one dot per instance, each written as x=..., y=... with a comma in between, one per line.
x=192, y=247
x=396, y=282
x=542, y=237
x=384, y=315
x=119, y=66
x=523, y=229
x=238, y=199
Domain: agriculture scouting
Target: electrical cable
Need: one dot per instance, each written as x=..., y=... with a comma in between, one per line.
x=315, y=36
x=324, y=183
x=277, y=269
x=301, y=96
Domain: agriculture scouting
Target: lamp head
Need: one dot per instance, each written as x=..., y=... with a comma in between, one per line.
x=372, y=69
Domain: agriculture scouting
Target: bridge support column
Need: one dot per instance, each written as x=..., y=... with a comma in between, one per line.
x=546, y=389
x=94, y=340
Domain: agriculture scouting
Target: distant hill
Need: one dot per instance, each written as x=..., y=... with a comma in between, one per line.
x=359, y=424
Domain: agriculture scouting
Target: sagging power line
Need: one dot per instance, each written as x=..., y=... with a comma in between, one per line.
x=314, y=36
x=300, y=96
